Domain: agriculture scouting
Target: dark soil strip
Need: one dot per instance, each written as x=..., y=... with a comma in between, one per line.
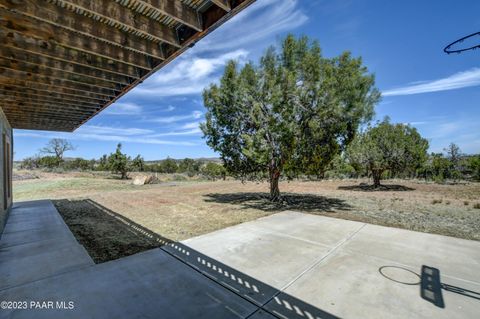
x=105, y=234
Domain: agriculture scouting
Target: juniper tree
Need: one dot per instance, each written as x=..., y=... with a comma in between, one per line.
x=119, y=163
x=387, y=146
x=290, y=114
x=138, y=163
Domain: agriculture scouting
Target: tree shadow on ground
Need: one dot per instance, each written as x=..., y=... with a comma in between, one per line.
x=362, y=187
x=290, y=201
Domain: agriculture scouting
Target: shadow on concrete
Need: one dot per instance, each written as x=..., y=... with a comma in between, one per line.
x=363, y=187
x=430, y=284
x=290, y=201
x=431, y=287
x=266, y=297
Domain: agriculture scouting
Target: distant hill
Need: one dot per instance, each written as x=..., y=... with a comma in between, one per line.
x=202, y=159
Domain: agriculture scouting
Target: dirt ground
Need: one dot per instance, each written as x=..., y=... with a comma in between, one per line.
x=105, y=234
x=182, y=209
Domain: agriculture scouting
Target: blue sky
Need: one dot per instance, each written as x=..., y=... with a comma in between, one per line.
x=401, y=42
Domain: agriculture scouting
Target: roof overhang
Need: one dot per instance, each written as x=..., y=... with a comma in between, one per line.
x=64, y=61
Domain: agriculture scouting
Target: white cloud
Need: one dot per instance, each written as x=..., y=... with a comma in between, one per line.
x=456, y=81
x=120, y=108
x=193, y=131
x=108, y=130
x=107, y=133
x=191, y=128
x=266, y=18
x=190, y=75
x=416, y=123
x=176, y=118
x=191, y=125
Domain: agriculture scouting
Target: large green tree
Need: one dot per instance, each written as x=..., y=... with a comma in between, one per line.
x=395, y=147
x=289, y=114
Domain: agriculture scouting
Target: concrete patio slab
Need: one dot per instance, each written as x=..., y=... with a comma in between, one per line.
x=35, y=235
x=21, y=270
x=343, y=277
x=348, y=284
x=453, y=256
x=33, y=249
x=152, y=284
x=306, y=227
x=275, y=258
x=30, y=223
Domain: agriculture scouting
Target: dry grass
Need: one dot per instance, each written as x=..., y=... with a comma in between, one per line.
x=180, y=210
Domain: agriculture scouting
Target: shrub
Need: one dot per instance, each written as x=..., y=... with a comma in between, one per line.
x=168, y=166
x=30, y=163
x=214, y=171
x=49, y=162
x=78, y=164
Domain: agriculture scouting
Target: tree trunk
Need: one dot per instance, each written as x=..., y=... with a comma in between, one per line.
x=376, y=175
x=274, y=189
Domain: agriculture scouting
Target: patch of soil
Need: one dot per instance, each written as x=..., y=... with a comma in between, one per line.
x=105, y=234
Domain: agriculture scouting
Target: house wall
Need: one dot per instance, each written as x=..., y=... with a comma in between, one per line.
x=6, y=164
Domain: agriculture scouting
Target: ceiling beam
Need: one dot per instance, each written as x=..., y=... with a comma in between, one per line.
x=175, y=10
x=224, y=4
x=42, y=127
x=55, y=115
x=21, y=66
x=51, y=114
x=114, y=13
x=25, y=101
x=34, y=59
x=23, y=84
x=80, y=24
x=39, y=120
x=31, y=28
x=55, y=82
x=36, y=94
x=21, y=96
x=50, y=50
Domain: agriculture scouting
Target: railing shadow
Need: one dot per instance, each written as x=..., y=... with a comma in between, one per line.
x=430, y=284
x=290, y=201
x=431, y=287
x=264, y=296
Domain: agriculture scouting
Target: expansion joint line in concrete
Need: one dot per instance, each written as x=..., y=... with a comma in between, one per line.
x=315, y=263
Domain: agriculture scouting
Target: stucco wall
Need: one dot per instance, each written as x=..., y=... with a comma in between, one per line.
x=7, y=130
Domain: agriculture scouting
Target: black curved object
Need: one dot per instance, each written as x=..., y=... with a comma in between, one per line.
x=448, y=49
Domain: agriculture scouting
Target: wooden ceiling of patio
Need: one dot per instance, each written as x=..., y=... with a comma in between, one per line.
x=63, y=61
